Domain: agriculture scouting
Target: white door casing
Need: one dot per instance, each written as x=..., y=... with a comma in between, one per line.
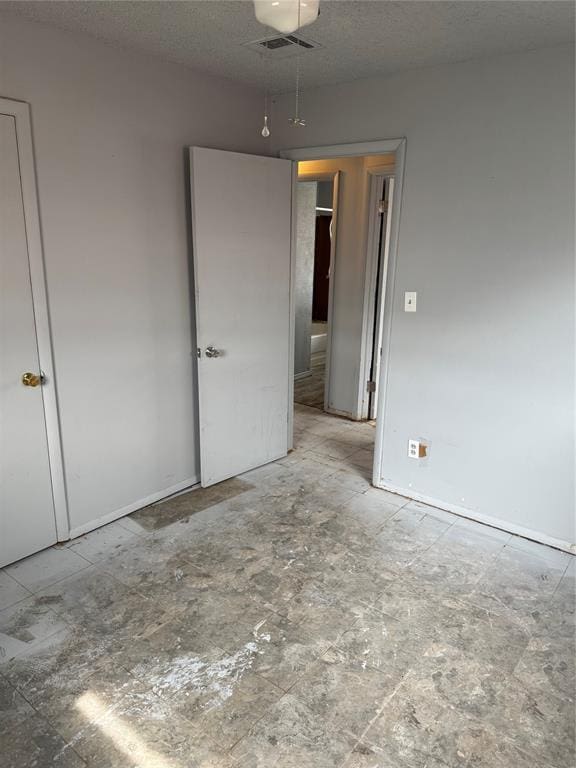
x=384, y=250
x=27, y=514
x=241, y=222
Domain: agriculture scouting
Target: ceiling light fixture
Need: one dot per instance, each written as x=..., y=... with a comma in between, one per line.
x=286, y=15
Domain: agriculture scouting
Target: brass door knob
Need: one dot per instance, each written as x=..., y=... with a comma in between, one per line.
x=31, y=379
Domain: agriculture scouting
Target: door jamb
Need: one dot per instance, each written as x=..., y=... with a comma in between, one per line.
x=20, y=111
x=374, y=252
x=336, y=184
x=398, y=147
x=292, y=306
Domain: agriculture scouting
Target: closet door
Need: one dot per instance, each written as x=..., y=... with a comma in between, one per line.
x=27, y=520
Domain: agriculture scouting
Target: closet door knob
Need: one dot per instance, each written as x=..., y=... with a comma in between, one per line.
x=31, y=379
x=212, y=352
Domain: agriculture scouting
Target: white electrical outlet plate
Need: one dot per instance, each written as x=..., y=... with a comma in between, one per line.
x=413, y=449
x=410, y=301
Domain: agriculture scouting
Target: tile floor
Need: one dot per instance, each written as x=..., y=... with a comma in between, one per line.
x=310, y=390
x=294, y=617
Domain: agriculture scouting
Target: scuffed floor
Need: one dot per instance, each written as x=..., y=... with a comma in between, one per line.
x=296, y=618
x=310, y=390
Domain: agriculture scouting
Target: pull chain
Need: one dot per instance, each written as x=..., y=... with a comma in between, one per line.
x=265, y=128
x=297, y=120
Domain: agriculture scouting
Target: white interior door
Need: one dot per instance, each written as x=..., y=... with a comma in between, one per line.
x=27, y=521
x=241, y=219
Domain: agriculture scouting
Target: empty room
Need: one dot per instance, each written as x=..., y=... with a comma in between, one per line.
x=287, y=384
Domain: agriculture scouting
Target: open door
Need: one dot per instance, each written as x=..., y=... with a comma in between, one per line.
x=382, y=272
x=241, y=222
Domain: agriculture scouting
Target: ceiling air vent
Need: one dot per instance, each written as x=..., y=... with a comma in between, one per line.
x=281, y=46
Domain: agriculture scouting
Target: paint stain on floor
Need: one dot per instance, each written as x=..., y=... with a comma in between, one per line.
x=180, y=508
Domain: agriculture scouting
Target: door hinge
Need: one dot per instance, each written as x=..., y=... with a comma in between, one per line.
x=370, y=386
x=382, y=206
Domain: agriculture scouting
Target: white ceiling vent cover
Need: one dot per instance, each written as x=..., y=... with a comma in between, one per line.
x=282, y=46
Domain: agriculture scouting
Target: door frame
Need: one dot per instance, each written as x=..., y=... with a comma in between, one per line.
x=20, y=111
x=334, y=177
x=376, y=254
x=396, y=146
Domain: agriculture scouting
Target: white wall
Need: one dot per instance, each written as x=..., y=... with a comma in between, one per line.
x=485, y=368
x=110, y=131
x=306, y=193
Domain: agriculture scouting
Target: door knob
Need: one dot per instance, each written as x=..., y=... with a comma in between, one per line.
x=212, y=352
x=31, y=379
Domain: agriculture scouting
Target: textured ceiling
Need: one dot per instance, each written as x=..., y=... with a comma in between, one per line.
x=360, y=38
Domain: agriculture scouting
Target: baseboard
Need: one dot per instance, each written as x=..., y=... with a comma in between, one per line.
x=80, y=530
x=455, y=509
x=493, y=522
x=303, y=375
x=342, y=414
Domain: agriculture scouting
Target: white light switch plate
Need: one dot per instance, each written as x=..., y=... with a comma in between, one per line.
x=410, y=301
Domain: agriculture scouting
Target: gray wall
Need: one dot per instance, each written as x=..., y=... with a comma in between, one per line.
x=325, y=195
x=485, y=368
x=306, y=192
x=110, y=132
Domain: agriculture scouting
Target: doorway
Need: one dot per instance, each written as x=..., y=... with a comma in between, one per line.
x=246, y=355
x=315, y=239
x=364, y=241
